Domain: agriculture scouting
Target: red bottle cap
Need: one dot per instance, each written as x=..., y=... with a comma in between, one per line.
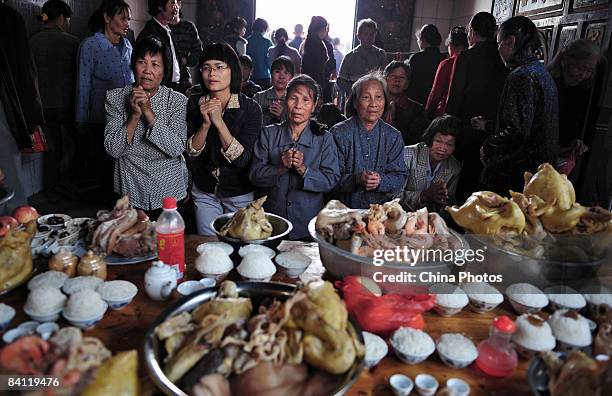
x=504, y=324
x=169, y=203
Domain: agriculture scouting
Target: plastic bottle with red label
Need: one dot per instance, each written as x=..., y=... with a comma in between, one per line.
x=170, y=229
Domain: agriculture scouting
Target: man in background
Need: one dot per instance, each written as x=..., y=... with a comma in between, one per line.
x=188, y=47
x=298, y=33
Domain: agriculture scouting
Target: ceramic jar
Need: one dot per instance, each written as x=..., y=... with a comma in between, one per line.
x=64, y=261
x=92, y=265
x=160, y=281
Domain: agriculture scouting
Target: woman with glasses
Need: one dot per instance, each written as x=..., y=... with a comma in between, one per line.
x=223, y=126
x=146, y=133
x=405, y=114
x=456, y=42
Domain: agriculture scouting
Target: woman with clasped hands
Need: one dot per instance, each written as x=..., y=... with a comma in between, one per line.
x=372, y=167
x=146, y=132
x=296, y=162
x=223, y=126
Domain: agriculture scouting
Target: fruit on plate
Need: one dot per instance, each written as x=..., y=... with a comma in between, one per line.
x=16, y=256
x=25, y=214
x=7, y=223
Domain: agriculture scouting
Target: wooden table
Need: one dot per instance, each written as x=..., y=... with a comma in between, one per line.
x=125, y=329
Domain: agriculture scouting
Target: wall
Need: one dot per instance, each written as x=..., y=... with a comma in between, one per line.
x=463, y=10
x=437, y=12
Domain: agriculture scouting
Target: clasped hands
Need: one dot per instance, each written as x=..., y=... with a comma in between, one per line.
x=437, y=192
x=212, y=112
x=294, y=158
x=140, y=101
x=370, y=180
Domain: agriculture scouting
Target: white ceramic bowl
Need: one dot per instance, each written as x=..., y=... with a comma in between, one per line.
x=523, y=309
x=426, y=384
x=446, y=311
x=292, y=264
x=246, y=249
x=7, y=317
x=29, y=326
x=188, y=287
x=401, y=384
x=14, y=334
x=457, y=387
x=217, y=277
x=86, y=323
x=227, y=248
x=46, y=330
x=555, y=297
x=49, y=317
x=371, y=361
x=454, y=363
x=246, y=278
x=118, y=303
x=43, y=220
x=208, y=282
x=410, y=359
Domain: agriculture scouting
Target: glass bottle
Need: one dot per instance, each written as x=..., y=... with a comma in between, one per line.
x=496, y=355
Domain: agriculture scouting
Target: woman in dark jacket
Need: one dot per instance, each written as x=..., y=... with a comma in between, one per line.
x=315, y=56
x=425, y=63
x=223, y=126
x=527, y=129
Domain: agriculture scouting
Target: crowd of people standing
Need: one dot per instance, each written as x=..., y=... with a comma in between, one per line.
x=429, y=130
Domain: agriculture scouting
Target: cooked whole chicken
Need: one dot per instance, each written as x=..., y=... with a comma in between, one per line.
x=249, y=223
x=550, y=186
x=16, y=256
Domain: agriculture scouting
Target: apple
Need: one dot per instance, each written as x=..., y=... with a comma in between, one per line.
x=25, y=214
x=7, y=223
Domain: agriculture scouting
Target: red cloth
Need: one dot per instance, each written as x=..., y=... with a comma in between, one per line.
x=385, y=314
x=436, y=103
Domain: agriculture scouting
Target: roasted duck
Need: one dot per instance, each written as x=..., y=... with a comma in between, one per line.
x=249, y=223
x=16, y=256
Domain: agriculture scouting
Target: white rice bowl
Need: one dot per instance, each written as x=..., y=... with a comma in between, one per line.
x=293, y=259
x=252, y=248
x=45, y=300
x=85, y=304
x=54, y=279
x=117, y=290
x=214, y=261
x=484, y=292
x=227, y=248
x=256, y=266
x=527, y=294
x=565, y=297
x=575, y=332
x=536, y=336
x=456, y=346
x=598, y=295
x=449, y=296
x=80, y=283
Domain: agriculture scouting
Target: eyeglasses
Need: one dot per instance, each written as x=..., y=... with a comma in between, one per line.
x=207, y=69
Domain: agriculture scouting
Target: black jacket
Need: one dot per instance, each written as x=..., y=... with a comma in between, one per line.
x=152, y=28
x=314, y=60
x=18, y=78
x=245, y=125
x=424, y=65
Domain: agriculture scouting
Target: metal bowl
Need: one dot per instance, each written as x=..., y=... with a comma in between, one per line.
x=281, y=227
x=258, y=291
x=341, y=263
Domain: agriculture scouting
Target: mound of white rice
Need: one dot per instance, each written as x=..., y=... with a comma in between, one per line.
x=227, y=248
x=598, y=295
x=457, y=347
x=532, y=332
x=566, y=297
x=252, y=248
x=527, y=294
x=571, y=328
x=256, y=266
x=45, y=300
x=412, y=342
x=50, y=278
x=214, y=261
x=80, y=283
x=117, y=290
x=85, y=304
x=483, y=292
x=293, y=260
x=449, y=296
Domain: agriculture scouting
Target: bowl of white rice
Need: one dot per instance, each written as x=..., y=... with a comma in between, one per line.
x=227, y=248
x=118, y=293
x=532, y=335
x=526, y=298
x=456, y=350
x=44, y=304
x=411, y=346
x=292, y=263
x=256, y=267
x=599, y=299
x=7, y=313
x=450, y=299
x=50, y=278
x=483, y=297
x=570, y=329
x=564, y=297
x=215, y=263
x=375, y=349
x=252, y=248
x=80, y=283
x=84, y=309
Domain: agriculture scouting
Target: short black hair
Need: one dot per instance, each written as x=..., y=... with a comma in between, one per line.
x=525, y=33
x=56, y=8
x=330, y=115
x=308, y=82
x=111, y=8
x=457, y=37
x=281, y=33
x=235, y=24
x=148, y=45
x=246, y=60
x=223, y=52
x=260, y=25
x=484, y=24
x=431, y=35
x=395, y=64
x=444, y=125
x=283, y=61
x=155, y=5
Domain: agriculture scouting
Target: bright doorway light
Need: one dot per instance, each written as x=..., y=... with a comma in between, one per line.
x=340, y=14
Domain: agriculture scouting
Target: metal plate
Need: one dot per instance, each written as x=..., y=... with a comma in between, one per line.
x=257, y=291
x=115, y=259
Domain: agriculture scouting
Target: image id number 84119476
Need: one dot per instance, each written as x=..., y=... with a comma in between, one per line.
x=28, y=382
